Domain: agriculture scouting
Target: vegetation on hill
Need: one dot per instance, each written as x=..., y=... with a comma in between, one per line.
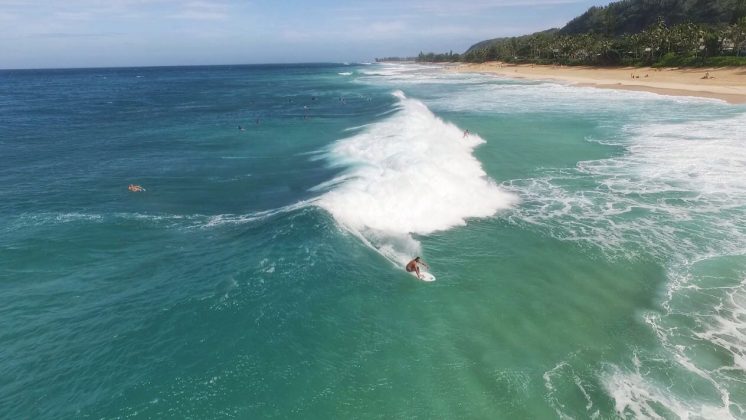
x=629, y=32
x=634, y=16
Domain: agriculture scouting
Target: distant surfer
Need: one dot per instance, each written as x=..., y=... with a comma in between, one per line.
x=414, y=265
x=241, y=128
x=466, y=133
x=135, y=188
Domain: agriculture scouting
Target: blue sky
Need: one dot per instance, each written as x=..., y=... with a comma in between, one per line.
x=94, y=33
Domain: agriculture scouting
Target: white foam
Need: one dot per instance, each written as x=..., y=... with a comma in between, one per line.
x=708, y=309
x=552, y=398
x=707, y=157
x=395, y=68
x=411, y=173
x=516, y=96
x=635, y=394
x=726, y=328
x=397, y=75
x=671, y=173
x=178, y=221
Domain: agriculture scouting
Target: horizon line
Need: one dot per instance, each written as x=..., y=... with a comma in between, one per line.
x=190, y=65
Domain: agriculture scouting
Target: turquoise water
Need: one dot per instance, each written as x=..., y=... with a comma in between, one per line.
x=589, y=246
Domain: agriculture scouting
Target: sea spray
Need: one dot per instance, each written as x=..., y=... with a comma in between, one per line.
x=412, y=173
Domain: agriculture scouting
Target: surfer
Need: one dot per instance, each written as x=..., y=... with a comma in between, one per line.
x=135, y=188
x=414, y=265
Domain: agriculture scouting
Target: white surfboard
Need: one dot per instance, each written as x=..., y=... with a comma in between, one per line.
x=425, y=276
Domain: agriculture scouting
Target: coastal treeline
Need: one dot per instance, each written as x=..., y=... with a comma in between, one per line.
x=685, y=44
x=449, y=57
x=390, y=59
x=614, y=35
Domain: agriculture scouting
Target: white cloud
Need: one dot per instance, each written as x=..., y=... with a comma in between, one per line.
x=205, y=28
x=443, y=7
x=203, y=10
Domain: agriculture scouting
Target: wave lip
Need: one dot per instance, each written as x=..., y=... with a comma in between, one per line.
x=411, y=173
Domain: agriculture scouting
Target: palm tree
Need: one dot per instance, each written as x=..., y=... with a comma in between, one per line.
x=737, y=35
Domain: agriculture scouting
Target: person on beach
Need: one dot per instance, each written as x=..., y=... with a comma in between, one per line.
x=414, y=265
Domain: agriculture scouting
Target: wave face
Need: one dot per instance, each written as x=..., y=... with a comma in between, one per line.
x=412, y=173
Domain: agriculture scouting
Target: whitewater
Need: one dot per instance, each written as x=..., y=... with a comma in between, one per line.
x=411, y=173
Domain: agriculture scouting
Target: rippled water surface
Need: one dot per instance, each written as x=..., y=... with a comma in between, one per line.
x=588, y=244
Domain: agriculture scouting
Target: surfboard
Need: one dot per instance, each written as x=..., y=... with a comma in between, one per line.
x=425, y=276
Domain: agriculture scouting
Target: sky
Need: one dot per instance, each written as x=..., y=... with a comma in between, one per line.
x=111, y=33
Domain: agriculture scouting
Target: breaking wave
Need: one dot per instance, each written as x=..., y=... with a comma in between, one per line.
x=411, y=173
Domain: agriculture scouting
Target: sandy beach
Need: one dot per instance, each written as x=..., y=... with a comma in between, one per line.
x=727, y=83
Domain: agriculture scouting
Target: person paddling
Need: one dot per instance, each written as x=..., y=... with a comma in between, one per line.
x=414, y=265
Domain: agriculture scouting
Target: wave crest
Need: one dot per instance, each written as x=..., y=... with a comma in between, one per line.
x=412, y=173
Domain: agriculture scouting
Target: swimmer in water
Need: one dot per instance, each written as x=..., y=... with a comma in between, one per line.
x=414, y=265
x=135, y=188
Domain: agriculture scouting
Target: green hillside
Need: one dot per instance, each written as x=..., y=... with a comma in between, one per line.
x=631, y=32
x=633, y=16
x=487, y=43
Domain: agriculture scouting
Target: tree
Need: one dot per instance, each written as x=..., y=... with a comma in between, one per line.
x=711, y=44
x=737, y=35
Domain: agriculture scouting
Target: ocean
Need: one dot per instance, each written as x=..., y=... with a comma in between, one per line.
x=589, y=246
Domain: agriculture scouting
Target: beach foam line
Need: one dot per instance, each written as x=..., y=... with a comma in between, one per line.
x=412, y=173
x=726, y=84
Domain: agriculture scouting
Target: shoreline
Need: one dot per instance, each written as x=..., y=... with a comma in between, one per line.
x=726, y=83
